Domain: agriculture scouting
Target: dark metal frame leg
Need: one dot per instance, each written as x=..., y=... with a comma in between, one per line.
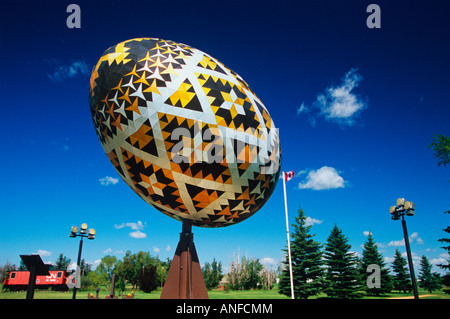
x=185, y=278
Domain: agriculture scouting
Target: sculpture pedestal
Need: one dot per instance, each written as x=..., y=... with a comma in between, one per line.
x=185, y=278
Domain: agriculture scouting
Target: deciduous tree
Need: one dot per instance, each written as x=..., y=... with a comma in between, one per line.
x=212, y=274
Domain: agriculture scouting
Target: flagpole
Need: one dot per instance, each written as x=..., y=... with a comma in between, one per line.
x=288, y=236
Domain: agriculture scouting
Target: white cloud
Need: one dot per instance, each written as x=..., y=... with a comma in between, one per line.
x=338, y=103
x=156, y=250
x=167, y=248
x=302, y=108
x=415, y=258
x=268, y=261
x=380, y=245
x=44, y=253
x=107, y=180
x=134, y=226
x=413, y=238
x=137, y=227
x=389, y=260
x=324, y=178
x=72, y=266
x=304, y=171
x=96, y=263
x=63, y=72
x=311, y=221
x=397, y=243
x=138, y=234
x=109, y=250
x=367, y=233
x=439, y=261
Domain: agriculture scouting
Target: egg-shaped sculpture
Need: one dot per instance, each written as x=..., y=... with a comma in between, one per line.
x=185, y=132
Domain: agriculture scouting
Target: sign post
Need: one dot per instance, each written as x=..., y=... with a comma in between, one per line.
x=36, y=267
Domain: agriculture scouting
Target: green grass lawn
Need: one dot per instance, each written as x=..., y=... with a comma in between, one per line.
x=214, y=294
x=44, y=294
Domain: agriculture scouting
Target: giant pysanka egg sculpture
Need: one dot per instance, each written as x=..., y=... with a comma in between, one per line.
x=185, y=132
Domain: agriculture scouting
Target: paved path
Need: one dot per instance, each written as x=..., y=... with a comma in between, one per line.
x=412, y=297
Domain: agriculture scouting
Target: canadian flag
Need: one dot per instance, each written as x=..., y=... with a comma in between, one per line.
x=288, y=175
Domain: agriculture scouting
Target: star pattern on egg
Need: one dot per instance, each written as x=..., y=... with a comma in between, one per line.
x=185, y=132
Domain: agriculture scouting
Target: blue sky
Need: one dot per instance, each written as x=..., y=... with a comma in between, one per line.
x=356, y=108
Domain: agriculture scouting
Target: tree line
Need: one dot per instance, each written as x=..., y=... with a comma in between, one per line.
x=141, y=271
x=336, y=271
x=147, y=273
x=331, y=269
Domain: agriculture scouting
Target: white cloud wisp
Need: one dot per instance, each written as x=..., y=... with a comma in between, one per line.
x=324, y=178
x=339, y=104
x=63, y=72
x=108, y=180
x=137, y=227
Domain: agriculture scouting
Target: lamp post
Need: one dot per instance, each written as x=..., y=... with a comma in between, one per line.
x=399, y=211
x=82, y=233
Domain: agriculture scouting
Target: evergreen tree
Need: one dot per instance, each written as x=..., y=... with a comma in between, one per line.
x=371, y=256
x=85, y=268
x=342, y=276
x=446, y=277
x=22, y=266
x=427, y=280
x=306, y=262
x=441, y=148
x=62, y=262
x=401, y=280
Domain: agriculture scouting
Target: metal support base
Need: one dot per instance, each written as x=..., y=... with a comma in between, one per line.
x=185, y=278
